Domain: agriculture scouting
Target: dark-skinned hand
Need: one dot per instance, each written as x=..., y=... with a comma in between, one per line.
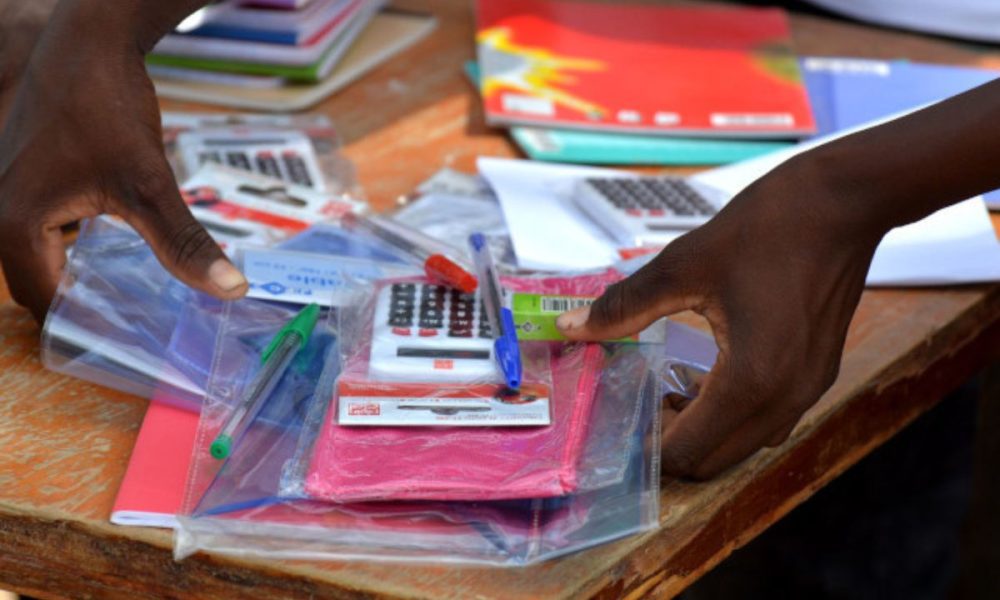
x=778, y=281
x=82, y=138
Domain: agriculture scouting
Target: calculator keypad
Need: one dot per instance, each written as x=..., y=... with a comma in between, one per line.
x=296, y=168
x=402, y=306
x=436, y=310
x=288, y=156
x=292, y=167
x=267, y=164
x=652, y=196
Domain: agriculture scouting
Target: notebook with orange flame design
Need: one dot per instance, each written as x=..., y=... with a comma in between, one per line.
x=691, y=69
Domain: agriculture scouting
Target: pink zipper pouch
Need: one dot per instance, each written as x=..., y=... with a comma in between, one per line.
x=356, y=464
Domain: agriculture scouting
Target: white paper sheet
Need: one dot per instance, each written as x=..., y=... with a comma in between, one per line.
x=547, y=231
x=955, y=245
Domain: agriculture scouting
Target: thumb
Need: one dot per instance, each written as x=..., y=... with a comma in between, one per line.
x=658, y=289
x=180, y=243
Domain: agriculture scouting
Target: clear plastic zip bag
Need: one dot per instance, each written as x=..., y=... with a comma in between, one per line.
x=296, y=149
x=113, y=318
x=270, y=522
x=257, y=504
x=249, y=472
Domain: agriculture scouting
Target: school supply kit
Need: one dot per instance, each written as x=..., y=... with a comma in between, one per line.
x=379, y=394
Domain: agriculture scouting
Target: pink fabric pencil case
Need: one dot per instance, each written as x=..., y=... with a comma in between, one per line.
x=352, y=464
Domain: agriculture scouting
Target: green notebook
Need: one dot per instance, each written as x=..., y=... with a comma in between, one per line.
x=310, y=73
x=603, y=148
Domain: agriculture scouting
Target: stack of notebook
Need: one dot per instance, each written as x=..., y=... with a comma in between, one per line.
x=619, y=83
x=278, y=54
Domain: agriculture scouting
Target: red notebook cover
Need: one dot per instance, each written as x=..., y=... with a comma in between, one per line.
x=152, y=491
x=694, y=69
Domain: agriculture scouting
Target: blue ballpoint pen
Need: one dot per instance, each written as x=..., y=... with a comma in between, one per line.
x=501, y=319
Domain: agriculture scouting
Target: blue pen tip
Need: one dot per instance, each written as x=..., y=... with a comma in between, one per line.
x=477, y=240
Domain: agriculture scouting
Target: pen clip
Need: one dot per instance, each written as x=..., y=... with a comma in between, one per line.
x=301, y=325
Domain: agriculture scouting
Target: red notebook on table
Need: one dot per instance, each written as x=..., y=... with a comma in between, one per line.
x=152, y=491
x=702, y=69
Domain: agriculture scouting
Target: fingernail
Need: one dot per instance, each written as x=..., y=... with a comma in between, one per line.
x=225, y=276
x=573, y=319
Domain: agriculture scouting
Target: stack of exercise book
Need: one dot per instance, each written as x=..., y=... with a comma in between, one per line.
x=620, y=83
x=278, y=54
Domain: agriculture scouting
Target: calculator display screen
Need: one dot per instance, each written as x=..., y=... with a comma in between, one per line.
x=459, y=353
x=665, y=227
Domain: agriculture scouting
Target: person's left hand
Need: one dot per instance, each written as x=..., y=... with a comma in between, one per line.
x=778, y=274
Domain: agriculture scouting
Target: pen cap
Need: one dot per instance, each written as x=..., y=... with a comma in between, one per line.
x=442, y=268
x=477, y=241
x=302, y=325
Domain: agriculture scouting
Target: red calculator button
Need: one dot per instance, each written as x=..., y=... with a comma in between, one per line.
x=401, y=330
x=633, y=212
x=657, y=212
x=428, y=332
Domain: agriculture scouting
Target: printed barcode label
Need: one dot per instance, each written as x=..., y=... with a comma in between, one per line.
x=559, y=305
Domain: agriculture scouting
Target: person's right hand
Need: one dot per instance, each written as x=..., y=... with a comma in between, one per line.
x=83, y=138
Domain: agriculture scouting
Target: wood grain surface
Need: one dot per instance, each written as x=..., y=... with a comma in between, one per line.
x=66, y=443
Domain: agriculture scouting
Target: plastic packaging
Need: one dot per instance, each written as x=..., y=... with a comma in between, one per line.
x=244, y=510
x=237, y=207
x=113, y=318
x=114, y=315
x=300, y=149
x=303, y=277
x=257, y=505
x=452, y=206
x=441, y=261
x=420, y=402
x=250, y=474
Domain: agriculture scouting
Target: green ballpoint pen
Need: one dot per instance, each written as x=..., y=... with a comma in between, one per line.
x=274, y=362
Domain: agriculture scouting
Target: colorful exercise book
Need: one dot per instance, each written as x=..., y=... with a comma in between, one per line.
x=614, y=148
x=264, y=59
x=152, y=491
x=388, y=34
x=235, y=20
x=309, y=62
x=694, y=69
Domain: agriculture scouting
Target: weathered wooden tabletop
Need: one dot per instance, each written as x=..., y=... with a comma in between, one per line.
x=65, y=443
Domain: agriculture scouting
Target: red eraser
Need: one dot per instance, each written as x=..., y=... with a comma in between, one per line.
x=442, y=268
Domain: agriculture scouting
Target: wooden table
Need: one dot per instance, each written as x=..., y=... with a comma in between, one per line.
x=66, y=443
